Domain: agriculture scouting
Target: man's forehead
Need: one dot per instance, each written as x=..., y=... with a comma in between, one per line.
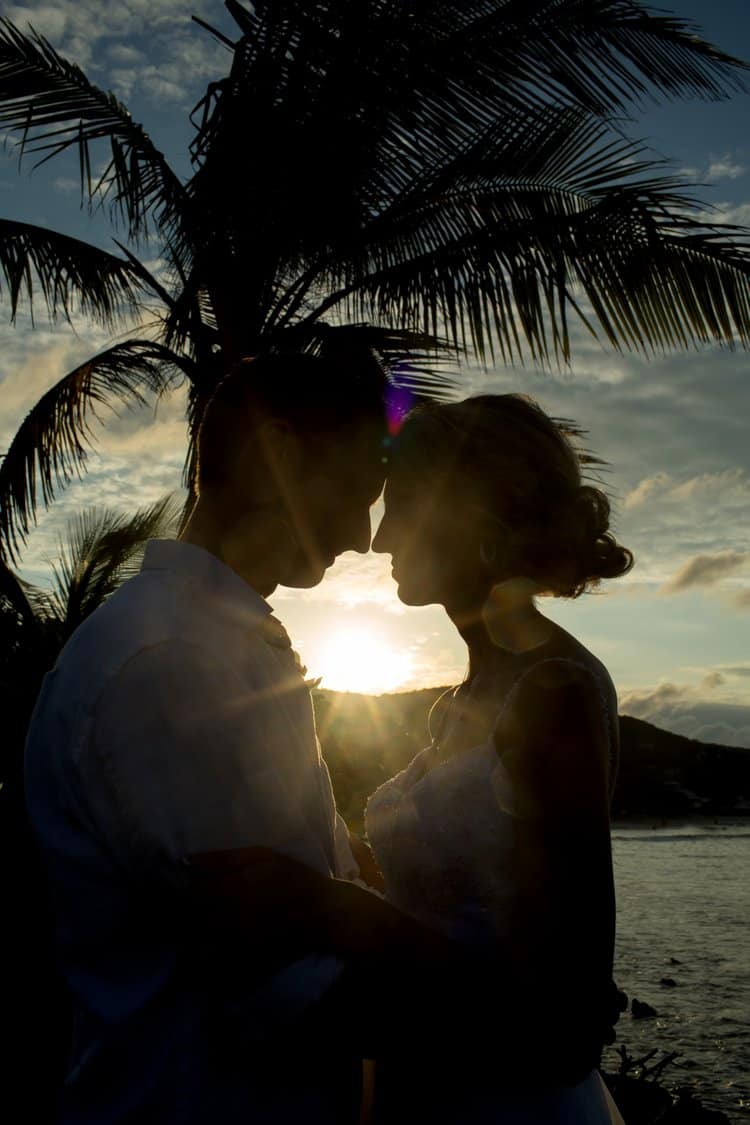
x=364, y=444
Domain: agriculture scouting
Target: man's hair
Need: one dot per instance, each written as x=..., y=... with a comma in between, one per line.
x=315, y=395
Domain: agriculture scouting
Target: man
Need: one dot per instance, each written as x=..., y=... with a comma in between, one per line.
x=175, y=783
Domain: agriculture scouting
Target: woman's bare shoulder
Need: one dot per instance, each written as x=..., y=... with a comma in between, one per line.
x=564, y=661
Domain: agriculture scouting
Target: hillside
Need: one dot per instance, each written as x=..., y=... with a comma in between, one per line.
x=366, y=739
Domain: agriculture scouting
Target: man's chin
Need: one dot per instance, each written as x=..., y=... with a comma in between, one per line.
x=305, y=576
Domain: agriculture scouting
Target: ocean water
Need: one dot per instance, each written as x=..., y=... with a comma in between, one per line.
x=683, y=912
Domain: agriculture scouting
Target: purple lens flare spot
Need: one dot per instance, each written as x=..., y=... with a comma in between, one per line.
x=398, y=403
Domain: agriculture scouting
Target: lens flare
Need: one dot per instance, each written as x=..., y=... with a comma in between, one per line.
x=398, y=403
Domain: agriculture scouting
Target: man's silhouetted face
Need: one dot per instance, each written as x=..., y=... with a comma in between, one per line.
x=328, y=502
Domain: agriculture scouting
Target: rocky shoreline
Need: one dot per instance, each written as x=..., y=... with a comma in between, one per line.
x=643, y=1097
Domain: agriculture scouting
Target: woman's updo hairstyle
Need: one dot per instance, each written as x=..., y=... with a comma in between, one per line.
x=518, y=469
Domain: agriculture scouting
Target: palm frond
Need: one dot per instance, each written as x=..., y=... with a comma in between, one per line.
x=53, y=440
x=674, y=280
x=68, y=273
x=455, y=62
x=364, y=91
x=99, y=550
x=654, y=281
x=51, y=104
x=14, y=596
x=501, y=244
x=190, y=323
x=364, y=103
x=599, y=54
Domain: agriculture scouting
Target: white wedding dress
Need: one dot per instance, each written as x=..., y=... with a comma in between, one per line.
x=441, y=833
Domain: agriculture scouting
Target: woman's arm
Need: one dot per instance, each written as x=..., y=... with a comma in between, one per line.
x=554, y=741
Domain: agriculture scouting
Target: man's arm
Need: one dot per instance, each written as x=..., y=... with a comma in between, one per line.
x=405, y=987
x=271, y=902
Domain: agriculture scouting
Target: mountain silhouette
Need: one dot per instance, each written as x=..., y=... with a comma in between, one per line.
x=366, y=739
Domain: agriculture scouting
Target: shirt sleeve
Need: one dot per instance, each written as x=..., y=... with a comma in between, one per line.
x=346, y=865
x=185, y=755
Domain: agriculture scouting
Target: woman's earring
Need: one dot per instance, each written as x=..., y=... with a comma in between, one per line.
x=488, y=553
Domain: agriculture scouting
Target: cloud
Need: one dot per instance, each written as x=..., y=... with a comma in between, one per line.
x=733, y=483
x=725, y=168
x=735, y=214
x=645, y=488
x=121, y=475
x=126, y=49
x=65, y=184
x=124, y=53
x=742, y=670
x=707, y=570
x=690, y=711
x=32, y=362
x=721, y=675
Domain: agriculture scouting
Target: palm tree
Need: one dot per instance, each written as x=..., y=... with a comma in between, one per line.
x=419, y=177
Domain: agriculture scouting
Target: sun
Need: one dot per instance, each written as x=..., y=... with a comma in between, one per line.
x=360, y=660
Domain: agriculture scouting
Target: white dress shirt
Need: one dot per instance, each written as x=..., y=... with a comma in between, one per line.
x=175, y=721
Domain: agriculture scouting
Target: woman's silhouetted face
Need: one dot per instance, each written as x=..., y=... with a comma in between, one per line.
x=433, y=536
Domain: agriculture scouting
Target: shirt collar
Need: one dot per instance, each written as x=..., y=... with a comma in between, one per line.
x=199, y=565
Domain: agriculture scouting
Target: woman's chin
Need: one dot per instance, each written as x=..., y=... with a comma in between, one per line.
x=410, y=595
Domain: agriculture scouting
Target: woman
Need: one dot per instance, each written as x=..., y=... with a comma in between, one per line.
x=498, y=833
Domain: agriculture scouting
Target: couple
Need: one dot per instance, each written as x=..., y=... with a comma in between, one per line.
x=226, y=957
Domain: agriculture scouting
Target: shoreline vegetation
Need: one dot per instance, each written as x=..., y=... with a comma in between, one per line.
x=665, y=781
x=644, y=1097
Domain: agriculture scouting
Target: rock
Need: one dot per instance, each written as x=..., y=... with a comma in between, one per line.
x=639, y=1101
x=645, y=1102
x=668, y=982
x=640, y=1010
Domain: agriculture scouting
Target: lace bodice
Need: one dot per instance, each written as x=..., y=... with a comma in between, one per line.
x=442, y=831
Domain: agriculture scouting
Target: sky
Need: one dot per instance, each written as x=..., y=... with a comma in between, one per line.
x=675, y=633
